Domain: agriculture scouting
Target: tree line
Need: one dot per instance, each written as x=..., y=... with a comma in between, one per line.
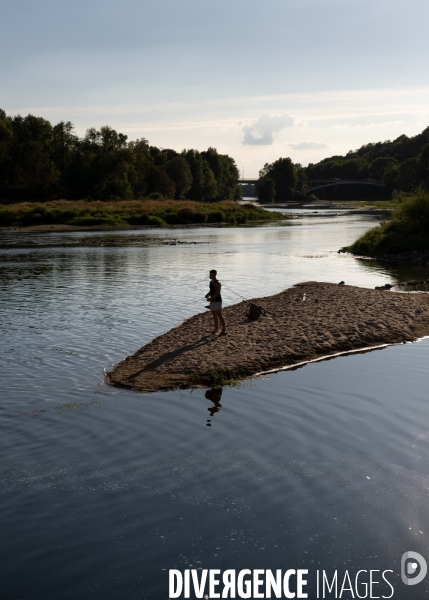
x=279, y=180
x=41, y=161
x=401, y=164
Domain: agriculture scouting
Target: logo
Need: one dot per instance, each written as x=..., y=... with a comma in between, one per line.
x=413, y=568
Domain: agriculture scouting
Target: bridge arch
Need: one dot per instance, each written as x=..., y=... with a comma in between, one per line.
x=319, y=184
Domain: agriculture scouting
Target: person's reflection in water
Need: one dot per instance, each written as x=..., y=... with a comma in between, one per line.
x=215, y=394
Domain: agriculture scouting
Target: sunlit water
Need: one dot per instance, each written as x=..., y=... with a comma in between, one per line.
x=104, y=490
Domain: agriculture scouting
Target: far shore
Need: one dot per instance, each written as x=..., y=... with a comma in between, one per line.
x=109, y=225
x=83, y=228
x=332, y=319
x=364, y=205
x=75, y=215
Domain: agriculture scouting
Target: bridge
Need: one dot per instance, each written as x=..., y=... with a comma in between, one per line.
x=313, y=185
x=319, y=184
x=251, y=181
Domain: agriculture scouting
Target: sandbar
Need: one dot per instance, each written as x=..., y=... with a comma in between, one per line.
x=332, y=319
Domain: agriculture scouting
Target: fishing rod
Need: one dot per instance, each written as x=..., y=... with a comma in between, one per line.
x=246, y=300
x=226, y=288
x=239, y=295
x=265, y=311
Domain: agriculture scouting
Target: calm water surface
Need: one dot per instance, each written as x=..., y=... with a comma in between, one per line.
x=104, y=490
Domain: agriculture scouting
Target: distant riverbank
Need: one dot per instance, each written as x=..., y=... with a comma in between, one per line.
x=67, y=214
x=387, y=205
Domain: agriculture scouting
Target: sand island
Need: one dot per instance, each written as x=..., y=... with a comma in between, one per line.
x=332, y=319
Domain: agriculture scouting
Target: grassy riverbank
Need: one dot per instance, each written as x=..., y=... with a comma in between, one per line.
x=378, y=204
x=406, y=231
x=156, y=213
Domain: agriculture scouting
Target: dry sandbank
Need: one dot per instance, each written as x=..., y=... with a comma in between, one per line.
x=332, y=319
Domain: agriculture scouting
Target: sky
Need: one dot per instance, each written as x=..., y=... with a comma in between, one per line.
x=256, y=80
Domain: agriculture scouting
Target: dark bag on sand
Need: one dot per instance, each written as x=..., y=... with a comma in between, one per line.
x=254, y=312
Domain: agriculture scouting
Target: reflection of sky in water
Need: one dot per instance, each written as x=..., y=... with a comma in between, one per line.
x=104, y=488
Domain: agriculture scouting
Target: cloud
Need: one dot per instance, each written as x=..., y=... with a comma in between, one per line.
x=261, y=132
x=366, y=125
x=309, y=146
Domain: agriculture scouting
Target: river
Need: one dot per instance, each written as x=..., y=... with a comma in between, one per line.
x=104, y=490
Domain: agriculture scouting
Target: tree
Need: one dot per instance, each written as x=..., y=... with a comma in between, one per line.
x=155, y=179
x=203, y=180
x=423, y=166
x=225, y=174
x=377, y=168
x=179, y=171
x=404, y=177
x=354, y=168
x=210, y=187
x=266, y=189
x=107, y=162
x=63, y=142
x=301, y=175
x=38, y=159
x=264, y=171
x=142, y=161
x=165, y=185
x=161, y=156
x=6, y=134
x=31, y=168
x=390, y=176
x=284, y=175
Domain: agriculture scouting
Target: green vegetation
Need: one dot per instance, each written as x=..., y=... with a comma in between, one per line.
x=266, y=190
x=397, y=199
x=382, y=204
x=41, y=161
x=401, y=164
x=154, y=212
x=407, y=230
x=277, y=181
x=216, y=377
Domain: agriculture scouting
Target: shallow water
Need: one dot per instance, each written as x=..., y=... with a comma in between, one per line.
x=104, y=490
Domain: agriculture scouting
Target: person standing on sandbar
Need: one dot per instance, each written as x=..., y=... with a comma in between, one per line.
x=216, y=303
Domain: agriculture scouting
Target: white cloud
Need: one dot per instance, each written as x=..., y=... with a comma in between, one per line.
x=261, y=132
x=367, y=125
x=309, y=146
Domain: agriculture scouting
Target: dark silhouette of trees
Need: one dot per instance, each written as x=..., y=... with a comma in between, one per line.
x=284, y=175
x=378, y=167
x=349, y=167
x=40, y=161
x=401, y=164
x=28, y=155
x=179, y=171
x=225, y=174
x=266, y=189
x=195, y=161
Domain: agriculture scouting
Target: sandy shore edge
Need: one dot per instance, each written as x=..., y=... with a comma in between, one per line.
x=332, y=320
